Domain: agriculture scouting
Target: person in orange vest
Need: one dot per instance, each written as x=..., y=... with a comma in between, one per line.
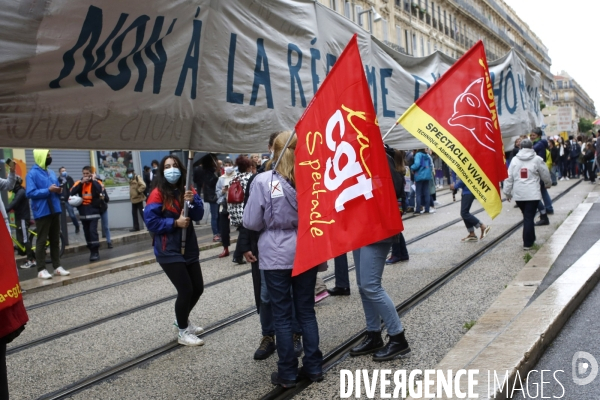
x=90, y=190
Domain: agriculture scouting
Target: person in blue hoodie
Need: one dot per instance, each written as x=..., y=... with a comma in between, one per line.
x=165, y=221
x=44, y=191
x=422, y=169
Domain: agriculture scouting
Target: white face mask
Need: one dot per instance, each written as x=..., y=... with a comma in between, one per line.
x=228, y=170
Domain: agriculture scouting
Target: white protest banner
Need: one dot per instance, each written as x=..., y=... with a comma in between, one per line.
x=209, y=75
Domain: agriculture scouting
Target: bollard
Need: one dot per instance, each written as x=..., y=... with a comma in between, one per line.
x=63, y=222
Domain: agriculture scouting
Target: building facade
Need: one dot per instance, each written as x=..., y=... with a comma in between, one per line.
x=420, y=27
x=568, y=93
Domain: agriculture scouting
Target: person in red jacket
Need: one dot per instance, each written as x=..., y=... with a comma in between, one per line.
x=13, y=316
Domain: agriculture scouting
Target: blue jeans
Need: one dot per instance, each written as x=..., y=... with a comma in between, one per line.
x=214, y=218
x=545, y=205
x=471, y=222
x=71, y=213
x=341, y=271
x=280, y=285
x=528, y=210
x=266, y=313
x=423, y=196
x=369, y=261
x=555, y=169
x=105, y=228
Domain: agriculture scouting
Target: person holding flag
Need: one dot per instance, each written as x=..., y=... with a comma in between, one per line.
x=272, y=209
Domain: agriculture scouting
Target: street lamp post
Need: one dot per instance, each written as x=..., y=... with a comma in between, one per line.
x=373, y=17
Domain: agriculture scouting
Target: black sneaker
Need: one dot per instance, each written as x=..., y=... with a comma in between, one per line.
x=298, y=349
x=396, y=347
x=109, y=245
x=284, y=383
x=94, y=257
x=266, y=348
x=312, y=377
x=339, y=291
x=239, y=261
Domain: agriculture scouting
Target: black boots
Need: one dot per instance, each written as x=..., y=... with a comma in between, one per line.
x=370, y=344
x=543, y=220
x=339, y=291
x=396, y=347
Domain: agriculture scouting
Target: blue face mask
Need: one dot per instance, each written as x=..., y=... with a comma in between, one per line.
x=64, y=174
x=172, y=175
x=130, y=176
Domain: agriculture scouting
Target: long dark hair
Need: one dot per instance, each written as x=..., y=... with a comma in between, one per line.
x=166, y=189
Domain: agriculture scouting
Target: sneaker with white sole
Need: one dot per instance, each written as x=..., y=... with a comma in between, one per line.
x=29, y=264
x=196, y=330
x=44, y=274
x=437, y=203
x=60, y=271
x=187, y=338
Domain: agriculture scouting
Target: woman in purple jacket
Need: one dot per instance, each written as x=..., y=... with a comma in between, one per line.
x=275, y=215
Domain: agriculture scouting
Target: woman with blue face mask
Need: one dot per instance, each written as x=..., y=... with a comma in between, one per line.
x=164, y=218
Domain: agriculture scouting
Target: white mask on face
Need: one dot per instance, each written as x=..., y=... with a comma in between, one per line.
x=228, y=170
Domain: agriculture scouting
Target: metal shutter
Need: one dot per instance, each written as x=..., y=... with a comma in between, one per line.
x=72, y=160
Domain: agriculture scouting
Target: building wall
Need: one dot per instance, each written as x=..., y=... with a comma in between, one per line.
x=420, y=27
x=568, y=93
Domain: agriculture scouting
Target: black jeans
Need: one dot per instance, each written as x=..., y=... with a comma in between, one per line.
x=528, y=208
x=23, y=238
x=589, y=171
x=47, y=228
x=137, y=208
x=342, y=280
x=90, y=231
x=471, y=222
x=225, y=229
x=188, y=281
x=399, y=248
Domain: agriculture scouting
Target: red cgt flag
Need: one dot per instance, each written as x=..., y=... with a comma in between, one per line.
x=346, y=196
x=457, y=119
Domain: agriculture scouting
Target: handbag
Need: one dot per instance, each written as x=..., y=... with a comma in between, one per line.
x=235, y=194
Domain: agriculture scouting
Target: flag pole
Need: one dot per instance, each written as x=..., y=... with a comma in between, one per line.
x=188, y=181
x=389, y=131
x=284, y=148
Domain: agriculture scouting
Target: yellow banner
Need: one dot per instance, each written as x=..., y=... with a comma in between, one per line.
x=425, y=128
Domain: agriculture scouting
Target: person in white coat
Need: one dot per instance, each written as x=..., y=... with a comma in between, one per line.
x=523, y=184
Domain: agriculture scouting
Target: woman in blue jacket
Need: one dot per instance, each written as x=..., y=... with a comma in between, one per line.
x=164, y=218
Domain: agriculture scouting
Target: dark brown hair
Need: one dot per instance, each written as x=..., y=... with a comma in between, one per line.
x=243, y=163
x=166, y=189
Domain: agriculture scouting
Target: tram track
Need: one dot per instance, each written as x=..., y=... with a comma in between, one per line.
x=330, y=359
x=91, y=324
x=341, y=351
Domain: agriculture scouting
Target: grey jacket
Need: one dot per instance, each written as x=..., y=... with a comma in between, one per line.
x=524, y=174
x=274, y=213
x=6, y=184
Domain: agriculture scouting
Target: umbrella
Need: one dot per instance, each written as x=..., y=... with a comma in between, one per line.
x=596, y=122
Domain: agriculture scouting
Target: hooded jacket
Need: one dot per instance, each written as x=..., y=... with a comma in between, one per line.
x=19, y=204
x=422, y=167
x=524, y=175
x=276, y=218
x=160, y=220
x=39, y=179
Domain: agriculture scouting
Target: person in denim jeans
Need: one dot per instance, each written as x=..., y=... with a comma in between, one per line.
x=422, y=169
x=377, y=305
x=276, y=217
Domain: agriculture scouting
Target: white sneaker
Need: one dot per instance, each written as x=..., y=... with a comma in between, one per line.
x=29, y=264
x=437, y=203
x=561, y=179
x=431, y=210
x=44, y=274
x=567, y=178
x=60, y=271
x=188, y=339
x=196, y=330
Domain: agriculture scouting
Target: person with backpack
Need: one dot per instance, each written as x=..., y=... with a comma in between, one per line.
x=222, y=189
x=236, y=209
x=545, y=205
x=137, y=189
x=553, y=161
x=422, y=168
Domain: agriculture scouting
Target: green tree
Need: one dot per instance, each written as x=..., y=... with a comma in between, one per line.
x=585, y=125
x=542, y=105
